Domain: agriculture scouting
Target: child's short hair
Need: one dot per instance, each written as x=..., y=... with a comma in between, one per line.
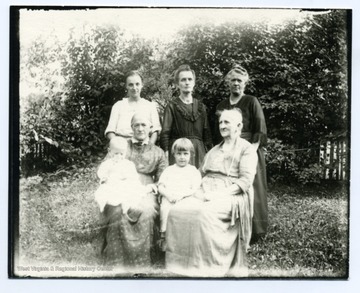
x=182, y=144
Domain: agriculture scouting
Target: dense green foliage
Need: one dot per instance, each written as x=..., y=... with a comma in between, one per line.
x=299, y=72
x=92, y=68
x=60, y=225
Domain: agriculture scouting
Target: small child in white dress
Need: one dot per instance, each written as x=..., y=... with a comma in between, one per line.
x=119, y=180
x=177, y=181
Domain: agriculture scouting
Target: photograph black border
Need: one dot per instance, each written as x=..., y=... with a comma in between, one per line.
x=14, y=175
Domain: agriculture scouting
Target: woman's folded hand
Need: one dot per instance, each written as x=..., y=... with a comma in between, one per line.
x=171, y=198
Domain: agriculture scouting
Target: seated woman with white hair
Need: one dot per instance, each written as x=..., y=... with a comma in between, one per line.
x=218, y=221
x=129, y=242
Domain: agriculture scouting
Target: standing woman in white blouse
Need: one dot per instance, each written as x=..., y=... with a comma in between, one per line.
x=123, y=110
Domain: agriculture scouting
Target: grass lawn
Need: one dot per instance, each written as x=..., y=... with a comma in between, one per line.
x=59, y=226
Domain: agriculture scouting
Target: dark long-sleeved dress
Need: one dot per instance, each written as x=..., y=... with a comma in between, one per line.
x=254, y=130
x=190, y=121
x=130, y=243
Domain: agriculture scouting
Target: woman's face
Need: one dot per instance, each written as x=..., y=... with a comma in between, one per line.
x=229, y=127
x=237, y=83
x=186, y=82
x=141, y=128
x=134, y=86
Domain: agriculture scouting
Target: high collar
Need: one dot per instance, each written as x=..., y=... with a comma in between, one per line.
x=236, y=142
x=197, y=109
x=145, y=141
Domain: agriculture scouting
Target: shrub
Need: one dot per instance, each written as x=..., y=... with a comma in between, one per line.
x=285, y=163
x=298, y=71
x=73, y=114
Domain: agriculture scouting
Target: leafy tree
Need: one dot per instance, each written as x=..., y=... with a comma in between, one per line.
x=298, y=71
x=93, y=67
x=41, y=87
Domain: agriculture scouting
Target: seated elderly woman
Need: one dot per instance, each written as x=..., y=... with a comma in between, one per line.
x=129, y=236
x=208, y=236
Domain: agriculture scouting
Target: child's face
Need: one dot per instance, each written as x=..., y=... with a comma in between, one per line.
x=182, y=158
x=118, y=152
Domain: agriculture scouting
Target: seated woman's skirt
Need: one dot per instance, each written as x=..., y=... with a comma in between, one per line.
x=129, y=238
x=204, y=240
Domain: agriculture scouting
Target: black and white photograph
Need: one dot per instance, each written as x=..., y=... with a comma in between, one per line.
x=180, y=143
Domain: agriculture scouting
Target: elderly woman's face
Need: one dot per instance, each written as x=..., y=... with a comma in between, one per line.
x=228, y=125
x=141, y=128
x=237, y=83
x=134, y=85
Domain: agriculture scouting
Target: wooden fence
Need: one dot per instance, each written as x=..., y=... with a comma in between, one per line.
x=334, y=159
x=41, y=157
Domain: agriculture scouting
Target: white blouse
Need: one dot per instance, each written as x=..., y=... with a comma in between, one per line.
x=122, y=113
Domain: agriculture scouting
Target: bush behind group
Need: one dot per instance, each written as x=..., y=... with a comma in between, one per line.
x=298, y=70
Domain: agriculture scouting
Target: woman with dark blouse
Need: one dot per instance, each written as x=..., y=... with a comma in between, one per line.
x=186, y=117
x=254, y=131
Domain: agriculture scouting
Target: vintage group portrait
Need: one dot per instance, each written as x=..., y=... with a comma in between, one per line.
x=180, y=143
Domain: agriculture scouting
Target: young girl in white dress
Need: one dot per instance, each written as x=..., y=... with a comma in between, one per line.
x=178, y=181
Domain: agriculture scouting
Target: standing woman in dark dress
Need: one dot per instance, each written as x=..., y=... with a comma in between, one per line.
x=186, y=117
x=254, y=131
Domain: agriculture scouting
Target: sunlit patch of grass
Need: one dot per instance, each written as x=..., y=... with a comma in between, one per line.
x=59, y=220
x=307, y=234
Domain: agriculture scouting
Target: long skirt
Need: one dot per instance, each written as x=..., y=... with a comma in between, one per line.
x=199, y=152
x=129, y=242
x=209, y=239
x=260, y=218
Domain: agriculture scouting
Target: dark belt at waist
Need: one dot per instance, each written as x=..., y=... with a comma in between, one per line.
x=212, y=174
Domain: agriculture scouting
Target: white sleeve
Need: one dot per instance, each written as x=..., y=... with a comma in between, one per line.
x=154, y=116
x=114, y=118
x=164, y=177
